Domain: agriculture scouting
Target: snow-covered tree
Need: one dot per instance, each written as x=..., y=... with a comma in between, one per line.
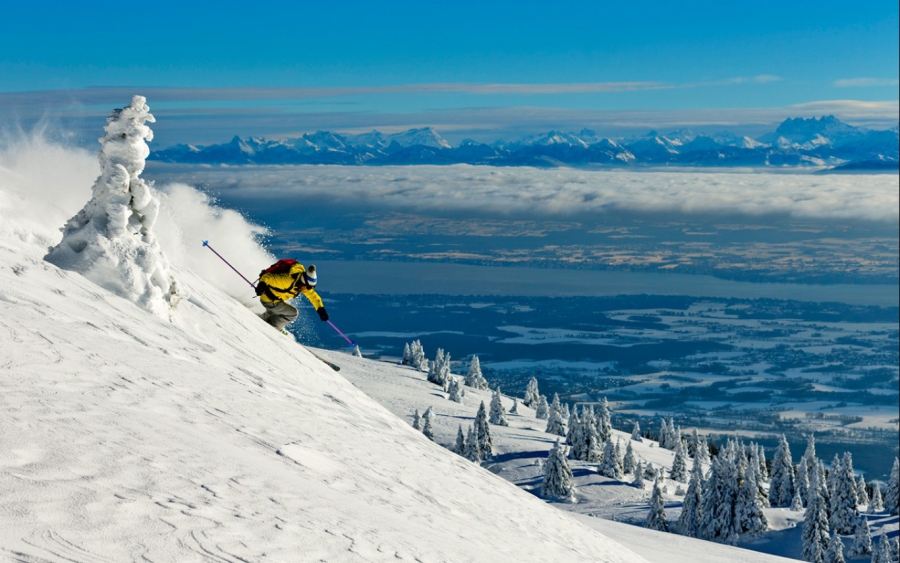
x=455, y=391
x=801, y=480
x=809, y=456
x=815, y=524
x=609, y=466
x=679, y=465
x=717, y=507
x=604, y=421
x=892, y=491
x=515, y=407
x=407, y=355
x=763, y=470
x=473, y=453
x=797, y=502
x=565, y=411
x=428, y=428
x=862, y=540
x=689, y=520
x=663, y=434
x=628, y=460
x=844, y=513
x=758, y=465
x=110, y=241
x=638, y=481
x=558, y=480
x=704, y=450
x=781, y=480
x=357, y=352
x=555, y=424
x=835, y=553
x=587, y=447
x=636, y=432
x=483, y=434
x=543, y=409
x=498, y=413
x=862, y=492
x=439, y=372
x=876, y=504
x=417, y=421
x=460, y=446
x=881, y=551
x=417, y=356
x=474, y=378
x=531, y=393
x=657, y=518
x=573, y=429
x=749, y=509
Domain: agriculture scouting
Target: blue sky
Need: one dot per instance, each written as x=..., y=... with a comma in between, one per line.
x=463, y=66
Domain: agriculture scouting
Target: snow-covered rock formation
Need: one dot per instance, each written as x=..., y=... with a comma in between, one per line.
x=111, y=241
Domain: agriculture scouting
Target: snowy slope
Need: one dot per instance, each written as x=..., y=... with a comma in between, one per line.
x=213, y=438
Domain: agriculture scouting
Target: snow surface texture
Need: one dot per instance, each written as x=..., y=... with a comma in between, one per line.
x=124, y=436
x=111, y=241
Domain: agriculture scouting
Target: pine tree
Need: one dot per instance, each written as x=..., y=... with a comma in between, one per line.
x=417, y=421
x=474, y=378
x=455, y=390
x=573, y=429
x=557, y=475
x=555, y=423
x=862, y=539
x=663, y=434
x=862, y=493
x=472, y=451
x=844, y=513
x=679, y=465
x=565, y=411
x=357, y=352
x=407, y=355
x=763, y=470
x=609, y=467
x=801, y=480
x=657, y=518
x=762, y=493
x=689, y=520
x=892, y=491
x=515, y=407
x=531, y=393
x=427, y=428
x=636, y=432
x=881, y=552
x=809, y=456
x=460, y=447
x=749, y=510
x=628, y=460
x=704, y=450
x=543, y=409
x=876, y=504
x=797, y=503
x=498, y=413
x=439, y=373
x=638, y=481
x=781, y=481
x=835, y=553
x=717, y=507
x=417, y=356
x=483, y=434
x=590, y=445
x=604, y=421
x=815, y=524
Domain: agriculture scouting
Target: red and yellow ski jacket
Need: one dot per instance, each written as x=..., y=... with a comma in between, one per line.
x=281, y=287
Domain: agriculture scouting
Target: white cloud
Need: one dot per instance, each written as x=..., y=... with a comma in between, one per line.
x=865, y=82
x=566, y=191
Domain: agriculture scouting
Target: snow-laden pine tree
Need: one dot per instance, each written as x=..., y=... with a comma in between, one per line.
x=815, y=523
x=862, y=540
x=763, y=470
x=555, y=424
x=689, y=520
x=781, y=479
x=589, y=447
x=407, y=355
x=717, y=505
x=663, y=434
x=473, y=453
x=693, y=443
x=749, y=509
x=460, y=446
x=531, y=393
x=498, y=413
x=474, y=378
x=609, y=466
x=835, y=553
x=628, y=460
x=881, y=551
x=862, y=491
x=110, y=241
x=844, y=499
x=604, y=421
x=483, y=434
x=704, y=450
x=558, y=480
x=417, y=421
x=638, y=481
x=809, y=456
x=573, y=430
x=797, y=502
x=428, y=427
x=636, y=432
x=762, y=492
x=565, y=411
x=515, y=407
x=357, y=352
x=892, y=491
x=543, y=409
x=455, y=391
x=679, y=465
x=876, y=504
x=439, y=372
x=417, y=356
x=801, y=480
x=674, y=436
x=657, y=518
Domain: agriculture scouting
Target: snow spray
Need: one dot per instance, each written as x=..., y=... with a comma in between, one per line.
x=206, y=244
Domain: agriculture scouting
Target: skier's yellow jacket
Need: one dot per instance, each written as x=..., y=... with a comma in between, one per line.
x=281, y=287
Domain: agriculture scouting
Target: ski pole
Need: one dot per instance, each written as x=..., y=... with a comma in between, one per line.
x=206, y=244
x=342, y=334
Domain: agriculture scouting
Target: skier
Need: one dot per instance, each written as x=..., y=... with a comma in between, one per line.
x=282, y=281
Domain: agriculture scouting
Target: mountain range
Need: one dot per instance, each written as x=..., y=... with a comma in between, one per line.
x=825, y=142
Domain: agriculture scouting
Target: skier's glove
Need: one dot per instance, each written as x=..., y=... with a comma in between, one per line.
x=261, y=288
x=323, y=314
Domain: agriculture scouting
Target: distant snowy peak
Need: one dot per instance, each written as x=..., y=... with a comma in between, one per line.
x=425, y=137
x=554, y=138
x=799, y=131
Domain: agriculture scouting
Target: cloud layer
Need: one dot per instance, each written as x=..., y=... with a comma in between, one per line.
x=565, y=191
